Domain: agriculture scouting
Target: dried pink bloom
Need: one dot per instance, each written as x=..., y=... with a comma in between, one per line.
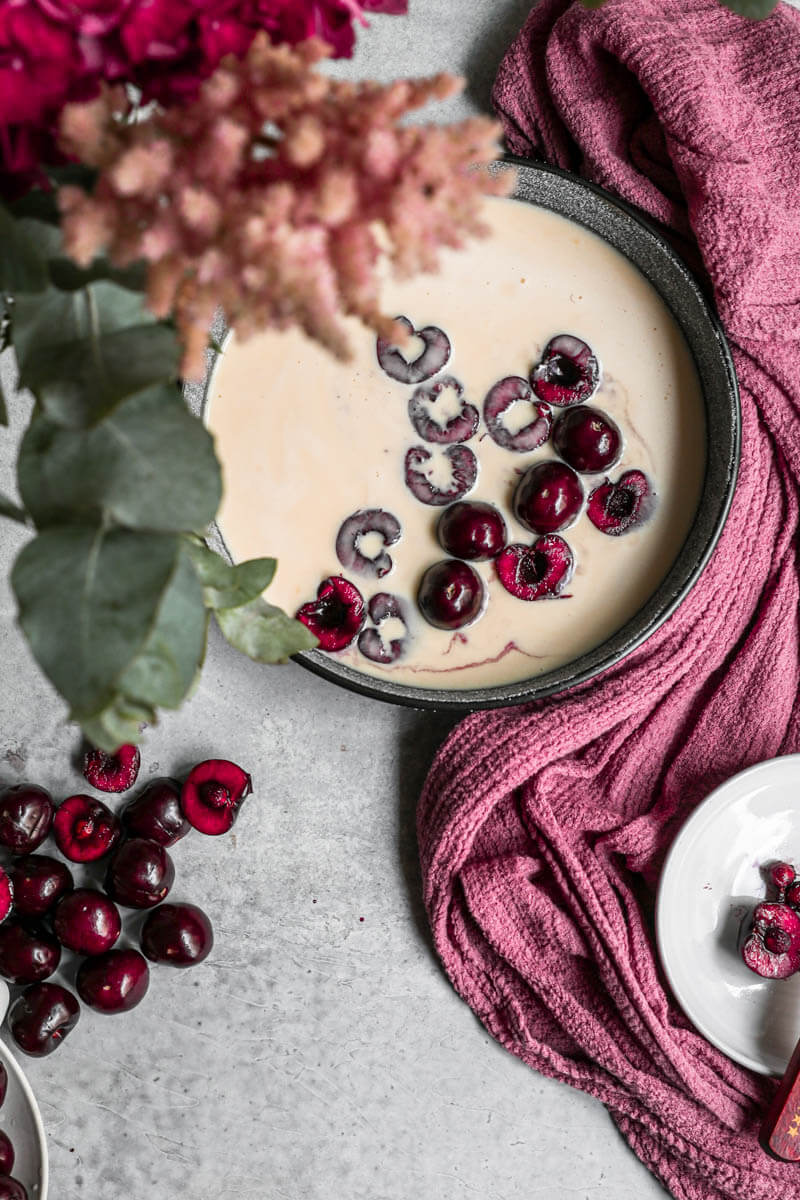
x=267, y=195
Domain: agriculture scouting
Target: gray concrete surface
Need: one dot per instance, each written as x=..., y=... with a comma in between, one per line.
x=320, y=1053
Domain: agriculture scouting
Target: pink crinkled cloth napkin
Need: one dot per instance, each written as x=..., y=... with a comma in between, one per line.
x=543, y=828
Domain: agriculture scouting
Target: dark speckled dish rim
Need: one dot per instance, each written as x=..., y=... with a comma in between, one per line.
x=628, y=231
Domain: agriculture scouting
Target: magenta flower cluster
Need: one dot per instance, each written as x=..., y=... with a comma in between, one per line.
x=56, y=51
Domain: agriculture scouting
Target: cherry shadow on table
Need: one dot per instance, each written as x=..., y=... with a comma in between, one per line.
x=419, y=741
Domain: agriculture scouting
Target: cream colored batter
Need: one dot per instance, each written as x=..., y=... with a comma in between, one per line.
x=305, y=441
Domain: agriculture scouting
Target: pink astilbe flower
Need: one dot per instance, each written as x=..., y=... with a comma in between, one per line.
x=53, y=52
x=274, y=194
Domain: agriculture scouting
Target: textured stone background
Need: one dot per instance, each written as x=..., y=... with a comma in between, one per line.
x=320, y=1054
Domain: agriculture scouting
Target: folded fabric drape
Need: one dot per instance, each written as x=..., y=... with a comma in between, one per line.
x=543, y=828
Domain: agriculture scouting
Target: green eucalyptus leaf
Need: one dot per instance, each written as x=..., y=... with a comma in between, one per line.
x=68, y=276
x=38, y=204
x=82, y=352
x=75, y=174
x=166, y=666
x=22, y=266
x=226, y=586
x=117, y=725
x=264, y=632
x=150, y=464
x=89, y=599
x=757, y=9
x=9, y=509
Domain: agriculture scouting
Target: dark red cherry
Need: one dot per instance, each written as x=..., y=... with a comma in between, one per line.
x=28, y=951
x=86, y=921
x=140, y=874
x=587, y=439
x=336, y=616
x=568, y=372
x=443, y=478
x=85, y=829
x=6, y=894
x=472, y=529
x=351, y=541
x=548, y=497
x=451, y=594
x=434, y=355
x=538, y=571
x=42, y=1017
x=26, y=814
x=782, y=875
x=38, y=881
x=3, y=1084
x=616, y=508
x=112, y=772
x=113, y=982
x=11, y=1189
x=772, y=948
x=178, y=934
x=156, y=813
x=213, y=794
x=7, y=1154
x=434, y=421
x=498, y=407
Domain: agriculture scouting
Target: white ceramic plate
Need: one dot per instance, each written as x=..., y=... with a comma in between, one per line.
x=711, y=881
x=21, y=1120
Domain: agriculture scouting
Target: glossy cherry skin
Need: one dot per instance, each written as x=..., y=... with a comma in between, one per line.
x=7, y=1154
x=87, y=922
x=38, y=882
x=156, y=813
x=85, y=829
x=587, y=439
x=548, y=497
x=113, y=982
x=140, y=874
x=472, y=530
x=6, y=894
x=451, y=594
x=3, y=1084
x=178, y=934
x=11, y=1189
x=42, y=1017
x=28, y=951
x=26, y=814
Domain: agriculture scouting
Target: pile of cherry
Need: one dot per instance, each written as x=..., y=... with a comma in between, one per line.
x=43, y=913
x=772, y=947
x=548, y=498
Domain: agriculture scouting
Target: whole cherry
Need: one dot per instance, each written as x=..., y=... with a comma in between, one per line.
x=37, y=882
x=156, y=813
x=548, y=497
x=113, y=982
x=86, y=921
x=42, y=1017
x=472, y=530
x=26, y=814
x=7, y=1154
x=178, y=934
x=11, y=1189
x=28, y=951
x=140, y=874
x=451, y=594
